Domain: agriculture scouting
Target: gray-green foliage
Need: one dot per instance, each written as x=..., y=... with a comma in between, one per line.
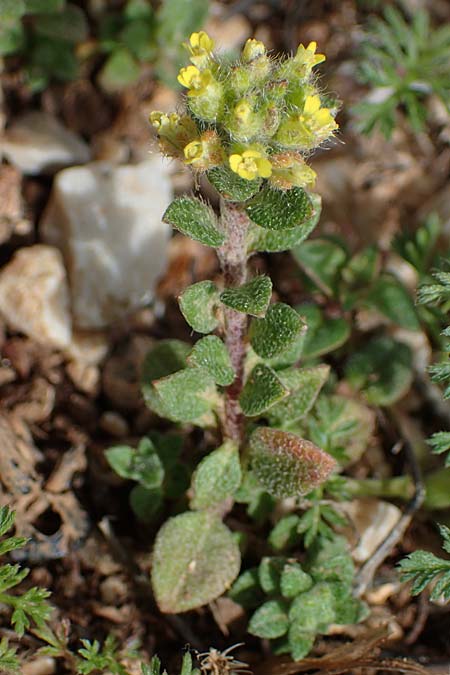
x=404, y=63
x=156, y=468
x=294, y=601
x=28, y=608
x=46, y=35
x=423, y=568
x=196, y=558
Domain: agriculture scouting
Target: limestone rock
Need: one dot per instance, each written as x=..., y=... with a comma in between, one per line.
x=34, y=296
x=372, y=520
x=106, y=220
x=38, y=143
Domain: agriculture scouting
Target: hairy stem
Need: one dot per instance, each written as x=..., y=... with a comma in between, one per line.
x=233, y=261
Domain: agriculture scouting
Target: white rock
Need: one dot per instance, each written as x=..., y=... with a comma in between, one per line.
x=106, y=220
x=38, y=143
x=34, y=295
x=373, y=519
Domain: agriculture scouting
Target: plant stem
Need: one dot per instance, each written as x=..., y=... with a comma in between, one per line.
x=233, y=261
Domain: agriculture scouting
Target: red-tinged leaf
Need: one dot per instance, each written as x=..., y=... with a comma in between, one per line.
x=287, y=465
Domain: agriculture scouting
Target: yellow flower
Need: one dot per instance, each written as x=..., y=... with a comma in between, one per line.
x=204, y=152
x=163, y=122
x=196, y=81
x=200, y=47
x=250, y=164
x=318, y=120
x=253, y=49
x=307, y=56
x=193, y=151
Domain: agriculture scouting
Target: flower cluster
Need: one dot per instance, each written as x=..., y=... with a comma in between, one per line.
x=258, y=117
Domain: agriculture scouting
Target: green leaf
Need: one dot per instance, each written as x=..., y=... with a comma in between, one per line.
x=270, y=620
x=262, y=239
x=137, y=37
x=142, y=464
x=231, y=186
x=304, y=387
x=347, y=609
x=262, y=390
x=278, y=331
x=313, y=610
x=146, y=503
x=195, y=560
x=7, y=518
x=119, y=71
x=246, y=590
x=165, y=358
x=44, y=6
x=278, y=210
x=300, y=642
x=217, y=477
x=294, y=580
x=69, y=24
x=269, y=573
x=186, y=396
x=382, y=369
x=389, y=297
x=324, y=334
x=198, y=304
x=12, y=37
x=176, y=19
x=211, y=353
x=8, y=659
x=285, y=535
x=12, y=9
x=322, y=261
x=195, y=219
x=330, y=560
x=251, y=298
x=287, y=465
x=52, y=58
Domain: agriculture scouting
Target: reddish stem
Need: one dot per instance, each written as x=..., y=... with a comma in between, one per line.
x=233, y=260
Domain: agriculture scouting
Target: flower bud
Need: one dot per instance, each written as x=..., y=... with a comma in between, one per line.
x=244, y=122
x=253, y=49
x=290, y=170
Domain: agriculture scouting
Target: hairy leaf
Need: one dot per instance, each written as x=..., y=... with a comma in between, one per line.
x=262, y=239
x=195, y=219
x=195, y=560
x=231, y=186
x=217, y=477
x=278, y=210
x=304, y=386
x=198, y=304
x=324, y=334
x=287, y=465
x=278, y=331
x=270, y=620
x=211, y=353
x=251, y=298
x=261, y=391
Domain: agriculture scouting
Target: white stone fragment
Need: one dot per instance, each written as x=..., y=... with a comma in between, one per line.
x=34, y=295
x=106, y=220
x=38, y=143
x=372, y=519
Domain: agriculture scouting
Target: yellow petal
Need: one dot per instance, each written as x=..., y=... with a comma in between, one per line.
x=186, y=75
x=312, y=104
x=235, y=161
x=194, y=40
x=247, y=173
x=264, y=167
x=312, y=47
x=251, y=154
